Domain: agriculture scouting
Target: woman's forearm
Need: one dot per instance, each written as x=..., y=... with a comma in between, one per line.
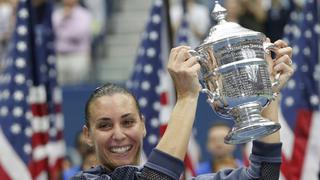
x=176, y=138
x=271, y=113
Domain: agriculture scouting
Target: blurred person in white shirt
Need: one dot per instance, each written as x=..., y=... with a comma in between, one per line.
x=72, y=27
x=198, y=18
x=7, y=11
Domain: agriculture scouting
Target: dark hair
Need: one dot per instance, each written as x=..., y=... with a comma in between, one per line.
x=108, y=89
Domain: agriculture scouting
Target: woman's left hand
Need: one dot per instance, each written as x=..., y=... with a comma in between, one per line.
x=281, y=64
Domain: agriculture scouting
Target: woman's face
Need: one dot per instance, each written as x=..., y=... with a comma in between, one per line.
x=116, y=130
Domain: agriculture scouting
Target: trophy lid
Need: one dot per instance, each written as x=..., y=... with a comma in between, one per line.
x=224, y=29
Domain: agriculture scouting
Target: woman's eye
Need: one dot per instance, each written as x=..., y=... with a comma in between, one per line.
x=105, y=125
x=128, y=123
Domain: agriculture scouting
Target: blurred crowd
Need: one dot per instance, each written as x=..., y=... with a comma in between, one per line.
x=268, y=17
x=81, y=27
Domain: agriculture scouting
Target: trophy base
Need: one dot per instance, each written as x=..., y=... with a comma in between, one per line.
x=250, y=124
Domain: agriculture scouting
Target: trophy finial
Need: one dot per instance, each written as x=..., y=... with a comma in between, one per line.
x=218, y=13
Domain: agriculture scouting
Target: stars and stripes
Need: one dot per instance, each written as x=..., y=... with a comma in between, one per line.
x=145, y=82
x=300, y=113
x=182, y=32
x=192, y=157
x=152, y=85
x=31, y=122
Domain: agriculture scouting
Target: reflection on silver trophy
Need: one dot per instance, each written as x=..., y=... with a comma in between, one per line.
x=235, y=77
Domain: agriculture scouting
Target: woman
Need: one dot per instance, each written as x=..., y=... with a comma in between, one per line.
x=115, y=128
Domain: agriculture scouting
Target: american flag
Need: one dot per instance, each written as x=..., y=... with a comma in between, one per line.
x=148, y=79
x=152, y=85
x=31, y=123
x=192, y=157
x=300, y=114
x=182, y=32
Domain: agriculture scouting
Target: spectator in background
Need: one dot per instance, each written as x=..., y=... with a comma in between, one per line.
x=254, y=15
x=277, y=17
x=248, y=13
x=234, y=10
x=81, y=158
x=98, y=9
x=72, y=26
x=89, y=159
x=221, y=153
x=7, y=21
x=198, y=17
x=269, y=19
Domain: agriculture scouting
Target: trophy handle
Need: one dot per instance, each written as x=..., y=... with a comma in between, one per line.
x=267, y=46
x=196, y=54
x=212, y=96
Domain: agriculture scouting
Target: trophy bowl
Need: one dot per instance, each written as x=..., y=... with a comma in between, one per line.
x=234, y=75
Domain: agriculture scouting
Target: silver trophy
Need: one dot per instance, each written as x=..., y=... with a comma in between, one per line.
x=235, y=77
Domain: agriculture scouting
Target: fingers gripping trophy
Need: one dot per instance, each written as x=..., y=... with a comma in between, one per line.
x=235, y=77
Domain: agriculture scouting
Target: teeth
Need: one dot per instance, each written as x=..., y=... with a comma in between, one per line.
x=122, y=149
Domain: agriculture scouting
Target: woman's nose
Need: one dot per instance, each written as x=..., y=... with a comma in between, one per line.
x=118, y=134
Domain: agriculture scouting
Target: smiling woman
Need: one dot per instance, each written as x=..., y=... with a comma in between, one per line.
x=115, y=127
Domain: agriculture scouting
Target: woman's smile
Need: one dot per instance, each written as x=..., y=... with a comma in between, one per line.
x=120, y=149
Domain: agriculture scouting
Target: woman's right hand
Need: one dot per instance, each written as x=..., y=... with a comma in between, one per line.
x=184, y=69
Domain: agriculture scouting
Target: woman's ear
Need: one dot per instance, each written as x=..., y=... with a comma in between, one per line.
x=87, y=135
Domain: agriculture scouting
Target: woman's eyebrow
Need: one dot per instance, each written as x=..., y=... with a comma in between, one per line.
x=126, y=115
x=104, y=119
